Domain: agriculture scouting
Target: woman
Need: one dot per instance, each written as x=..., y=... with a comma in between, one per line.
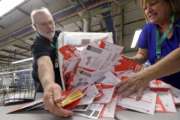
x=160, y=36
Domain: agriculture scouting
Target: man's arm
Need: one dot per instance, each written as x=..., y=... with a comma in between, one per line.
x=45, y=71
x=52, y=91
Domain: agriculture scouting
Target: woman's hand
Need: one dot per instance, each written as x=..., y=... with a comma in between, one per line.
x=135, y=84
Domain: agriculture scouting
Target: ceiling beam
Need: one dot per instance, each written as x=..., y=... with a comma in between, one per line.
x=2, y=27
x=81, y=3
x=23, y=11
x=10, y=57
x=25, y=42
x=58, y=16
x=5, y=60
x=45, y=2
x=15, y=52
x=23, y=47
x=3, y=64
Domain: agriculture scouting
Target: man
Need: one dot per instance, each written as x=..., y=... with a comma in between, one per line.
x=45, y=67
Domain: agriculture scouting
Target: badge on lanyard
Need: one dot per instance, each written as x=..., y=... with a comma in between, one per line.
x=56, y=63
x=161, y=39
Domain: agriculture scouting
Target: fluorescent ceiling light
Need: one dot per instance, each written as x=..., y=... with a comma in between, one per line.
x=23, y=60
x=136, y=37
x=8, y=5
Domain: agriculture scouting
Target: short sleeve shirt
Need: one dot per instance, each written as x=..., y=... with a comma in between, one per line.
x=43, y=47
x=147, y=40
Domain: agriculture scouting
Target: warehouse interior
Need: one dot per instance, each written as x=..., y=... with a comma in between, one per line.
x=122, y=17
x=96, y=78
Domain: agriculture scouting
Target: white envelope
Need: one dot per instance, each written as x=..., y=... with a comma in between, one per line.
x=93, y=112
x=176, y=95
x=111, y=79
x=145, y=105
x=107, y=96
x=90, y=95
x=165, y=103
x=109, y=109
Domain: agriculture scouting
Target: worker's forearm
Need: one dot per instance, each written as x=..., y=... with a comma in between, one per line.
x=45, y=77
x=138, y=58
x=45, y=72
x=166, y=66
x=141, y=56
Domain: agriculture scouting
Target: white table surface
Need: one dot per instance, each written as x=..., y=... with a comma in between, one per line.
x=121, y=115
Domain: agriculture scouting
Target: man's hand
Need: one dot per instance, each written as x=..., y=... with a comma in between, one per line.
x=52, y=93
x=134, y=84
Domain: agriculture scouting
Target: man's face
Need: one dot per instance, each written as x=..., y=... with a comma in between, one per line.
x=45, y=25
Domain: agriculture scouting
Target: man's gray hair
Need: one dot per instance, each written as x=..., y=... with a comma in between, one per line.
x=37, y=11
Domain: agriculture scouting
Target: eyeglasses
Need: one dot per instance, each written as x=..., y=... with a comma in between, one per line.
x=46, y=23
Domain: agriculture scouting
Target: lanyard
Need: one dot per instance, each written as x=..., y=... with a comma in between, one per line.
x=54, y=46
x=164, y=36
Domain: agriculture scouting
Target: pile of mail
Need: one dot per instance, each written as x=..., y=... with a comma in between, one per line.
x=95, y=67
